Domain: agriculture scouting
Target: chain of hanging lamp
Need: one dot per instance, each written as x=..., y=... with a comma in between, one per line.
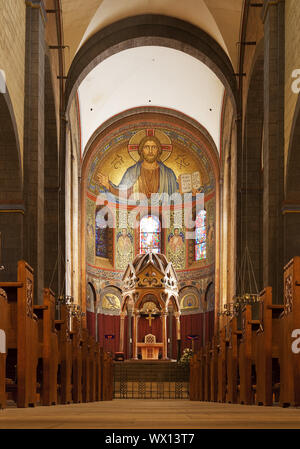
x=62, y=298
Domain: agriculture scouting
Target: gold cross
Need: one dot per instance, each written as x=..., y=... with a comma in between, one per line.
x=150, y=318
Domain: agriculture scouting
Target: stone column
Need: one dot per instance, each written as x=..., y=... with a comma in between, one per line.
x=122, y=320
x=135, y=334
x=34, y=142
x=273, y=16
x=177, y=316
x=164, y=334
x=129, y=343
x=170, y=333
x=178, y=334
x=96, y=324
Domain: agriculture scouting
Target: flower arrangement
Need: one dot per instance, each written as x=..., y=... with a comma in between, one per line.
x=186, y=357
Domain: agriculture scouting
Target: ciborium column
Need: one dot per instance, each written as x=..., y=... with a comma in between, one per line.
x=136, y=317
x=164, y=334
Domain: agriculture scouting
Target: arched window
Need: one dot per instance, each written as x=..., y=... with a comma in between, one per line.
x=149, y=234
x=200, y=239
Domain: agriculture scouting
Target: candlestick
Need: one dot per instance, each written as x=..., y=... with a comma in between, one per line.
x=1, y=266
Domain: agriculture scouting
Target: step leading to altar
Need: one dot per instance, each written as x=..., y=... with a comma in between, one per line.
x=139, y=379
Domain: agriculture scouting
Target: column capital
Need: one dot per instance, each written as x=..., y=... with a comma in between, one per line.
x=266, y=6
x=38, y=4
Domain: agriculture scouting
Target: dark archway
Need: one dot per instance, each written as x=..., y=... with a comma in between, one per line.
x=151, y=29
x=11, y=201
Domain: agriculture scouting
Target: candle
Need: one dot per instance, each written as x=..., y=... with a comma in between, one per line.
x=1, y=266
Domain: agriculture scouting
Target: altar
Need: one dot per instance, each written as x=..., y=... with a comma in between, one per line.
x=150, y=349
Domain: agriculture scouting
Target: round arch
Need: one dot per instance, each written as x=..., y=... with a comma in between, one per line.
x=91, y=288
x=156, y=30
x=174, y=301
x=140, y=300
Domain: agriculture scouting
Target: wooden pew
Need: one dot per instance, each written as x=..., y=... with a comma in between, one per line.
x=86, y=372
x=213, y=368
x=206, y=361
x=289, y=322
x=267, y=349
x=221, y=363
x=195, y=377
x=77, y=343
x=246, y=350
x=98, y=373
x=48, y=348
x=22, y=338
x=3, y=350
x=107, y=376
x=65, y=354
x=92, y=355
x=232, y=336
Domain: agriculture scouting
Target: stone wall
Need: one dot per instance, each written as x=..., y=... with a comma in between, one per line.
x=12, y=56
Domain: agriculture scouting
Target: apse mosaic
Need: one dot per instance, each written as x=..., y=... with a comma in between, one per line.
x=149, y=160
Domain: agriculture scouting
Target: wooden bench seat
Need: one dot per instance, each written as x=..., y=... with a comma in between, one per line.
x=246, y=354
x=267, y=350
x=77, y=355
x=213, y=368
x=221, y=365
x=64, y=355
x=47, y=348
x=3, y=349
x=22, y=338
x=107, y=376
x=233, y=334
x=289, y=322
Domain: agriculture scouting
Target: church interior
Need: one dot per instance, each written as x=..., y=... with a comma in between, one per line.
x=149, y=214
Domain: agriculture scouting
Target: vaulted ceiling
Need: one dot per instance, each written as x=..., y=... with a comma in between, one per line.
x=151, y=75
x=219, y=18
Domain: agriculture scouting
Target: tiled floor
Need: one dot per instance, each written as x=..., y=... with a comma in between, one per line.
x=150, y=414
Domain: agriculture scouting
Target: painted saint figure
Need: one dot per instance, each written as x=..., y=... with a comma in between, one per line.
x=176, y=240
x=124, y=243
x=149, y=175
